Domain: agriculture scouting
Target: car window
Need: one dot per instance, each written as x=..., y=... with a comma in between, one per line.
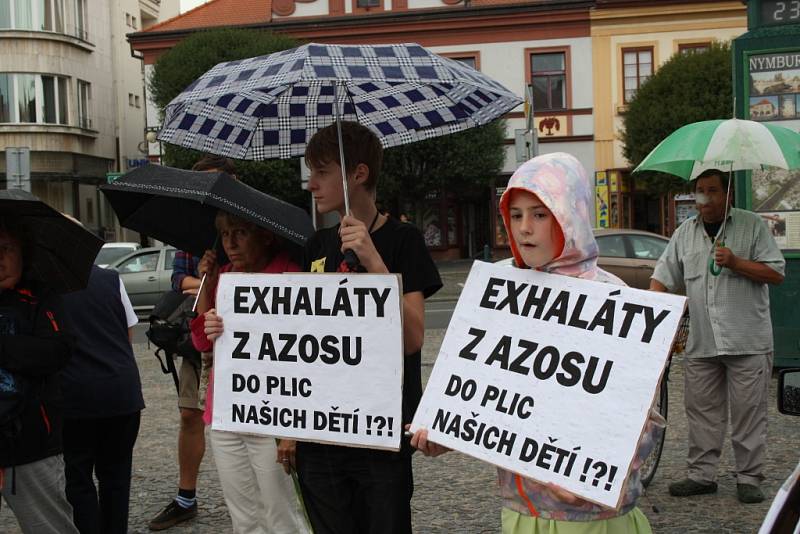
x=111, y=254
x=646, y=247
x=611, y=246
x=170, y=259
x=140, y=263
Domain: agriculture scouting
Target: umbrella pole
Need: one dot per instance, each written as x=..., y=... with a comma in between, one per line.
x=199, y=291
x=350, y=257
x=719, y=241
x=338, y=119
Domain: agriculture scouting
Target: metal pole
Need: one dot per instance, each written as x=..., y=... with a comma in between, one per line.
x=338, y=119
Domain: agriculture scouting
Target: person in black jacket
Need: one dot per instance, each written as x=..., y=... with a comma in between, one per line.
x=33, y=348
x=102, y=404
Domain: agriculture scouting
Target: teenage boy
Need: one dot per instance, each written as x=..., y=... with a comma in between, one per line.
x=355, y=490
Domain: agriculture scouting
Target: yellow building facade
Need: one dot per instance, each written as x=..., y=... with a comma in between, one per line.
x=630, y=41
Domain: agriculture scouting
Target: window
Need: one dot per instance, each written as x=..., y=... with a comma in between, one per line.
x=84, y=98
x=80, y=20
x=549, y=80
x=5, y=14
x=637, y=66
x=6, y=83
x=127, y=19
x=63, y=98
x=49, y=103
x=647, y=248
x=368, y=3
x=136, y=101
x=26, y=97
x=693, y=48
x=140, y=263
x=170, y=259
x=33, y=15
x=130, y=99
x=611, y=246
x=471, y=61
x=133, y=23
x=33, y=98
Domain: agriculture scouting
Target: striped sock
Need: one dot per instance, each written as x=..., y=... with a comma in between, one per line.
x=186, y=498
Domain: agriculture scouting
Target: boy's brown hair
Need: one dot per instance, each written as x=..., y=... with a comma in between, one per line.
x=210, y=162
x=360, y=146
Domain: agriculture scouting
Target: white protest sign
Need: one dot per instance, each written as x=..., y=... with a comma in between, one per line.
x=310, y=357
x=550, y=376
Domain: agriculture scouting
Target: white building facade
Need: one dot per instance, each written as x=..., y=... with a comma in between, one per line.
x=73, y=94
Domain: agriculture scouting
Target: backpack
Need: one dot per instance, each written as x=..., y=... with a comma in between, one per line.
x=13, y=388
x=169, y=331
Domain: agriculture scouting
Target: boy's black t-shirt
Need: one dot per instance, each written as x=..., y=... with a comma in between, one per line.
x=403, y=250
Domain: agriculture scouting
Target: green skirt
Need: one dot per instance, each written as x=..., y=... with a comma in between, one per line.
x=634, y=522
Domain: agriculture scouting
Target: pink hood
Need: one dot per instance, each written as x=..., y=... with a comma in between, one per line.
x=562, y=184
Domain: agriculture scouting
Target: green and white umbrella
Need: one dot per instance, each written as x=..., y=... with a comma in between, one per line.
x=728, y=145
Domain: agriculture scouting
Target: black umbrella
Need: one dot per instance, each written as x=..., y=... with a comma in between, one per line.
x=62, y=252
x=178, y=206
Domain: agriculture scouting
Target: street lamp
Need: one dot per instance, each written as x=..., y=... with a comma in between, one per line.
x=151, y=135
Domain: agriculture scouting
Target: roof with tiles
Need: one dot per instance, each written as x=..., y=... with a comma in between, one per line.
x=218, y=13
x=241, y=12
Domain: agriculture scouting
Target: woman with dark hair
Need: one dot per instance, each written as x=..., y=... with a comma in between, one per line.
x=260, y=496
x=33, y=348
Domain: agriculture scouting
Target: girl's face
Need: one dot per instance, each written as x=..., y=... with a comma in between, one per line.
x=10, y=261
x=534, y=229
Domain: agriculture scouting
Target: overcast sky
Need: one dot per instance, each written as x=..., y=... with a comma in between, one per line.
x=189, y=4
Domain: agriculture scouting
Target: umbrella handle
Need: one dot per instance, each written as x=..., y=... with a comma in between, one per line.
x=352, y=261
x=713, y=268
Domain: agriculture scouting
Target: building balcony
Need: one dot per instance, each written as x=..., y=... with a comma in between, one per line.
x=79, y=41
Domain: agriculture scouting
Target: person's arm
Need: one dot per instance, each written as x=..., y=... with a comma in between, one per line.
x=766, y=263
x=757, y=272
x=655, y=285
x=43, y=352
x=355, y=236
x=413, y=321
x=420, y=442
x=668, y=273
x=183, y=272
x=190, y=284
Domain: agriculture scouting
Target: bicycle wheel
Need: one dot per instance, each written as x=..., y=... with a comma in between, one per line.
x=649, y=466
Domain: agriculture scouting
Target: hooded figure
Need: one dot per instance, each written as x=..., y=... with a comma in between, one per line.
x=561, y=184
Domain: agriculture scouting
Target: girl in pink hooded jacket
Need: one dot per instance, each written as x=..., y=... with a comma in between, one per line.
x=546, y=209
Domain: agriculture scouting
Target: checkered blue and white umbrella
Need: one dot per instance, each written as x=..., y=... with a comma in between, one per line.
x=270, y=106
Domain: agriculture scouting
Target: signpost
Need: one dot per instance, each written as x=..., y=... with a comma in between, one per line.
x=18, y=168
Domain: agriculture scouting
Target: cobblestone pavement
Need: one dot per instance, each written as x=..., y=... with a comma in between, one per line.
x=453, y=493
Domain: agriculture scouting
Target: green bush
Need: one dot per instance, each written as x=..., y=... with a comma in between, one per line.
x=688, y=88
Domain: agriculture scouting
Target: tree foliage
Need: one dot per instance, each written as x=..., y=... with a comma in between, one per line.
x=473, y=157
x=190, y=59
x=688, y=88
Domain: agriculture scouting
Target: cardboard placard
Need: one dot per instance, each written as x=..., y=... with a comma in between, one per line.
x=550, y=376
x=310, y=357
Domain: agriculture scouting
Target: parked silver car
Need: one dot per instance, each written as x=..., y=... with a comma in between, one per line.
x=629, y=254
x=146, y=274
x=111, y=252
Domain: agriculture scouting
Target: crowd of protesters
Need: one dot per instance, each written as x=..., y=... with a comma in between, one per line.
x=71, y=356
